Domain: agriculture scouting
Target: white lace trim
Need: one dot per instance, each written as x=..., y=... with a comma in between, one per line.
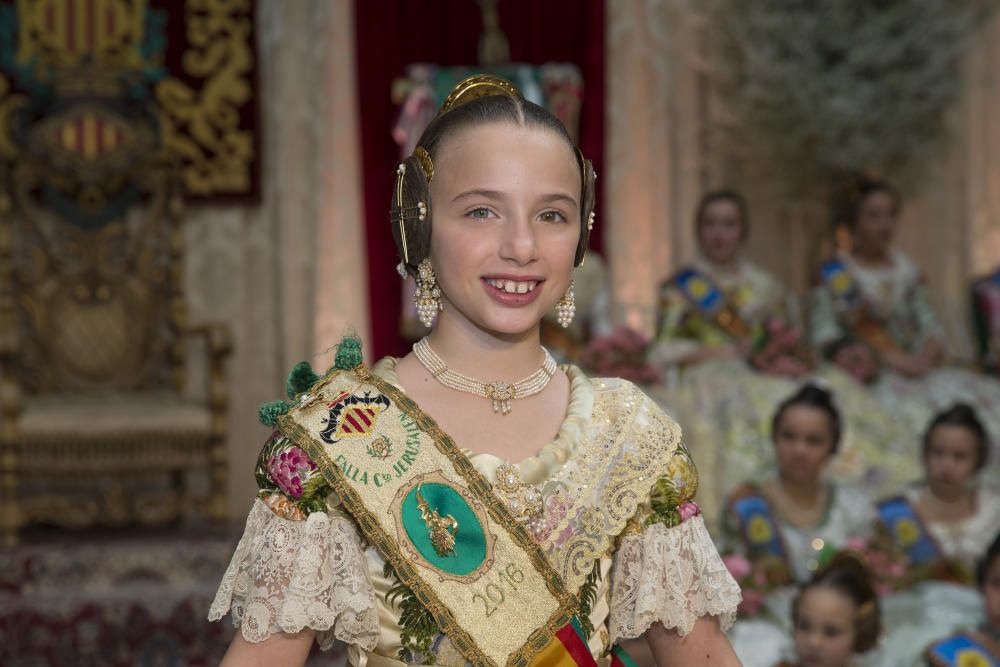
x=290, y=575
x=671, y=575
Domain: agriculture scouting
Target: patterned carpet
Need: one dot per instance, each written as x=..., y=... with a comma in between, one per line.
x=117, y=599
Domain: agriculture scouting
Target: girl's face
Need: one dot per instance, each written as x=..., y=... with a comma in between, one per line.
x=991, y=594
x=803, y=441
x=824, y=628
x=720, y=231
x=506, y=209
x=875, y=226
x=951, y=457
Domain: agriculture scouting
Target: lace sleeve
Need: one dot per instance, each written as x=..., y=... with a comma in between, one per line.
x=288, y=575
x=666, y=568
x=671, y=575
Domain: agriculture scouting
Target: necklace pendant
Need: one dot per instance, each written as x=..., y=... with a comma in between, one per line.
x=502, y=394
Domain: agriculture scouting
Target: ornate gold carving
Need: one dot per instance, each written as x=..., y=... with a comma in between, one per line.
x=202, y=127
x=442, y=529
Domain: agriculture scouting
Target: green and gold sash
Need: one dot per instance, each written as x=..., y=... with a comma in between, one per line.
x=436, y=521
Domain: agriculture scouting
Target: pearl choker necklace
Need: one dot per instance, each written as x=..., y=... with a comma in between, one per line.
x=500, y=393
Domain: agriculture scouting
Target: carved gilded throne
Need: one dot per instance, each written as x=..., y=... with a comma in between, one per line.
x=105, y=414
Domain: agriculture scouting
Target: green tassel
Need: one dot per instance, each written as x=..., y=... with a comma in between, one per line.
x=301, y=379
x=348, y=354
x=269, y=412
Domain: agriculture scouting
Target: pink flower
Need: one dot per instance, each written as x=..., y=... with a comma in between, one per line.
x=751, y=603
x=688, y=510
x=288, y=470
x=737, y=565
x=857, y=543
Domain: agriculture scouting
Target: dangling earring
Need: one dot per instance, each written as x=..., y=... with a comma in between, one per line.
x=566, y=307
x=428, y=294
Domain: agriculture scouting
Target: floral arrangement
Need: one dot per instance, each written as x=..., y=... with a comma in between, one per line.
x=757, y=578
x=780, y=350
x=621, y=354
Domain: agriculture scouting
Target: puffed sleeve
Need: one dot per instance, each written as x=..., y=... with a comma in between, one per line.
x=300, y=563
x=666, y=568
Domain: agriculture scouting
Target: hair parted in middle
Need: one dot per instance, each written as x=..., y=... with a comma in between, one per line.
x=811, y=396
x=848, y=574
x=963, y=416
x=723, y=194
x=477, y=100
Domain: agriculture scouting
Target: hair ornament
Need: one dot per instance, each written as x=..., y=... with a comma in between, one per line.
x=399, y=213
x=425, y=161
x=866, y=610
x=476, y=86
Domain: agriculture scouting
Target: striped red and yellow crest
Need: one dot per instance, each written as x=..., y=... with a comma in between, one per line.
x=67, y=31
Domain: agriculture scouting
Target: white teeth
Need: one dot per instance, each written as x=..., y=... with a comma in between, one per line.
x=514, y=287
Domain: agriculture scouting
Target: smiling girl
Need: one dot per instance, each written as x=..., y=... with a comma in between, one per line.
x=473, y=503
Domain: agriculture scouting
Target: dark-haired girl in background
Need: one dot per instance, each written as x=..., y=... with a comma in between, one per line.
x=872, y=317
x=943, y=526
x=949, y=518
x=835, y=616
x=799, y=517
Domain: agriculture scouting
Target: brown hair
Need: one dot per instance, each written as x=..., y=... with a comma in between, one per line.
x=848, y=575
x=415, y=186
x=863, y=188
x=814, y=397
x=714, y=196
x=964, y=416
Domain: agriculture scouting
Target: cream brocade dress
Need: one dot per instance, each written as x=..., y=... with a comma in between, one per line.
x=294, y=570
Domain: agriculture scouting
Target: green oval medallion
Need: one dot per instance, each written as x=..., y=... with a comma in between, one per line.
x=470, y=541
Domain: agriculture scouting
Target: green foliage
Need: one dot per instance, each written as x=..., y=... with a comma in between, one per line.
x=663, y=499
x=846, y=86
x=588, y=598
x=418, y=627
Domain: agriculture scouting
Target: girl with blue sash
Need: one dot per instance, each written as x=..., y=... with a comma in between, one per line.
x=799, y=517
x=872, y=317
x=789, y=526
x=423, y=515
x=944, y=524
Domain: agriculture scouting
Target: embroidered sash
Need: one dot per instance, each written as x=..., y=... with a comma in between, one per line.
x=965, y=649
x=706, y=296
x=759, y=528
x=908, y=532
x=850, y=307
x=434, y=518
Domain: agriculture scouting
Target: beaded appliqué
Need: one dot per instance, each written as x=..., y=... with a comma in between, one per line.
x=522, y=500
